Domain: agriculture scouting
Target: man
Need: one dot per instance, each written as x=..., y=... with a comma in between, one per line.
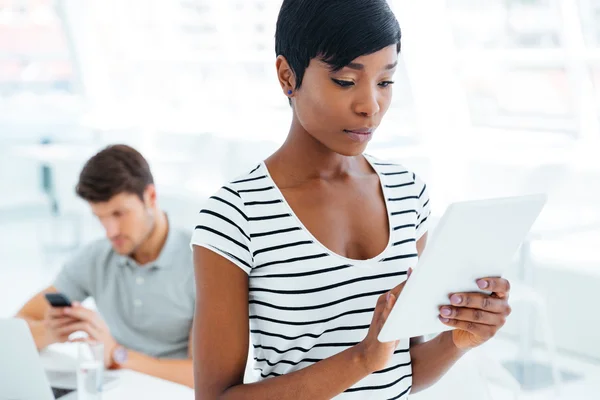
x=140, y=276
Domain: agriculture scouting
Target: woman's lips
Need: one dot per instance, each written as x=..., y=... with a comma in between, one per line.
x=359, y=135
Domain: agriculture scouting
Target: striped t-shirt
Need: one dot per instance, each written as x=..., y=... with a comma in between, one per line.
x=307, y=303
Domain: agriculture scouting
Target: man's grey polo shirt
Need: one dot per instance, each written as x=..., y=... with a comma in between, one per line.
x=148, y=308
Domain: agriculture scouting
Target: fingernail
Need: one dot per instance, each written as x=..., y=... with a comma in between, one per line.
x=387, y=298
x=444, y=320
x=482, y=284
x=456, y=299
x=446, y=311
x=66, y=310
x=409, y=273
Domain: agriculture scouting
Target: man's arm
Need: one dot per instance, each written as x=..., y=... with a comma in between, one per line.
x=48, y=324
x=178, y=371
x=36, y=307
x=36, y=313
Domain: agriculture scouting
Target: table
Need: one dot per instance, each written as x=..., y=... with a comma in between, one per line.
x=131, y=384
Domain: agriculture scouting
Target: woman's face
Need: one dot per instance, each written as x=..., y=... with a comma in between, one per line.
x=342, y=109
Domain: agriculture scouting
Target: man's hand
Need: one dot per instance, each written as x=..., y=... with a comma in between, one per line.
x=58, y=326
x=477, y=316
x=91, y=323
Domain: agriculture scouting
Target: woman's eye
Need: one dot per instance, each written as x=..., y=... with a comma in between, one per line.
x=386, y=83
x=343, y=83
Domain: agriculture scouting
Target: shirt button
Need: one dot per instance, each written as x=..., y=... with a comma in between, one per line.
x=139, y=280
x=137, y=302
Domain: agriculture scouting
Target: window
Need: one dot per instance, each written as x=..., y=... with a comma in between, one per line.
x=512, y=64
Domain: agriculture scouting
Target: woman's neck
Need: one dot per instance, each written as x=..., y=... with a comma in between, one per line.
x=302, y=158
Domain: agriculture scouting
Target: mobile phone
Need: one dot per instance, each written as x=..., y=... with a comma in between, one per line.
x=58, y=300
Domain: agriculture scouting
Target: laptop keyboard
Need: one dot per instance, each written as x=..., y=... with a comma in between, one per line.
x=58, y=393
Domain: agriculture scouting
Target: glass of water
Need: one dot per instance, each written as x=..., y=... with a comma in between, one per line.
x=90, y=371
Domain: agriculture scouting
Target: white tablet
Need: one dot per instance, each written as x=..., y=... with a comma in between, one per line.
x=474, y=239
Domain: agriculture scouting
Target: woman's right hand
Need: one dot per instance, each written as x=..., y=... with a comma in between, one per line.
x=374, y=354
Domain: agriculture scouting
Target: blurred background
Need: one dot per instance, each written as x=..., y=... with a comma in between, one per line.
x=492, y=98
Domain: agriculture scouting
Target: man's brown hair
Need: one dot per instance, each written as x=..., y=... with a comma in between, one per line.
x=116, y=169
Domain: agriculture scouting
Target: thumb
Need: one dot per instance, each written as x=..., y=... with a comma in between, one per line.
x=398, y=289
x=390, y=299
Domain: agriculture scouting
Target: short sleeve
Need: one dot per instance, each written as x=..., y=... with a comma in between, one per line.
x=424, y=211
x=222, y=226
x=75, y=278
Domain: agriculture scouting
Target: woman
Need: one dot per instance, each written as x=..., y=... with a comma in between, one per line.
x=309, y=250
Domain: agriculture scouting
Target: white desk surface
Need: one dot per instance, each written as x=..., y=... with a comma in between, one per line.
x=130, y=385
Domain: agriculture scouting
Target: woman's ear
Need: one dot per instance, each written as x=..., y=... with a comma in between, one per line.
x=286, y=76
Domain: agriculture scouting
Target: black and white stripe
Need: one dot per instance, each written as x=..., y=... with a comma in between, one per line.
x=307, y=303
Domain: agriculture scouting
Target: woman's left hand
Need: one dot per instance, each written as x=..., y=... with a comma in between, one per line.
x=477, y=316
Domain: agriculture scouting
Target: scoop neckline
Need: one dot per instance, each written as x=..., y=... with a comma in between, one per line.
x=352, y=261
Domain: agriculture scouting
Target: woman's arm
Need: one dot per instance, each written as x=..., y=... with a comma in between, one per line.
x=476, y=316
x=221, y=331
x=421, y=243
x=432, y=359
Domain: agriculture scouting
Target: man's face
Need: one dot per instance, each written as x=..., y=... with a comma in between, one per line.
x=127, y=220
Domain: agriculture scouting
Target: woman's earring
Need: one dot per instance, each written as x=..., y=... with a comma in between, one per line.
x=290, y=92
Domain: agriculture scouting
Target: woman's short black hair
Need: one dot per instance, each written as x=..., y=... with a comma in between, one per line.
x=335, y=31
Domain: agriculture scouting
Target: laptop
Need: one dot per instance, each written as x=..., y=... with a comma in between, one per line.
x=22, y=376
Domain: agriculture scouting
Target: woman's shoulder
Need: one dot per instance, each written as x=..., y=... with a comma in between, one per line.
x=232, y=193
x=223, y=223
x=387, y=168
